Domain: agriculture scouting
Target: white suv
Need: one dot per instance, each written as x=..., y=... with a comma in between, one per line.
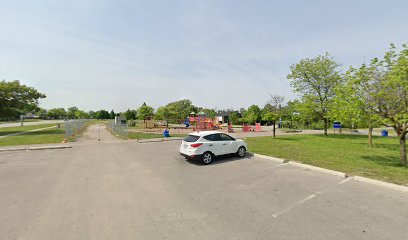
x=208, y=144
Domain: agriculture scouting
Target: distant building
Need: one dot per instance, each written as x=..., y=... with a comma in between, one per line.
x=222, y=116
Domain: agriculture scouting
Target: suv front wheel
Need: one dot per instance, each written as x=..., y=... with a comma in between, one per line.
x=241, y=152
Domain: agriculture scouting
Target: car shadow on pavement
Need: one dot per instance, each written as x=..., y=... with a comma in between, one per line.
x=222, y=159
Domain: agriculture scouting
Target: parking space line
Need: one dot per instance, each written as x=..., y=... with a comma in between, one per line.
x=277, y=214
x=345, y=180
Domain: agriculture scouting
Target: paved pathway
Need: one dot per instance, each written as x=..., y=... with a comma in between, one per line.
x=19, y=133
x=98, y=133
x=17, y=124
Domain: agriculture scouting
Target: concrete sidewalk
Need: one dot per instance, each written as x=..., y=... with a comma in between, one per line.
x=17, y=124
x=20, y=133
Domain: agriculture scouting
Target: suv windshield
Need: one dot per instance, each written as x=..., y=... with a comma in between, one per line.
x=191, y=138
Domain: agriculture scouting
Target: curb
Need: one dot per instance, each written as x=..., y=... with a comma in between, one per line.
x=12, y=149
x=382, y=184
x=332, y=172
x=278, y=160
x=49, y=147
x=337, y=173
x=155, y=140
x=33, y=148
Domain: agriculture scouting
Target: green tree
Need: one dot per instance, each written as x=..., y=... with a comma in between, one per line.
x=92, y=114
x=291, y=113
x=180, y=109
x=112, y=114
x=72, y=112
x=210, y=113
x=273, y=111
x=176, y=111
x=17, y=99
x=102, y=114
x=234, y=117
x=353, y=103
x=145, y=111
x=252, y=115
x=80, y=114
x=163, y=113
x=42, y=113
x=390, y=93
x=57, y=113
x=315, y=80
x=130, y=114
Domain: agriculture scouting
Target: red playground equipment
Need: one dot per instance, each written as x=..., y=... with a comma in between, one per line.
x=201, y=122
x=230, y=129
x=250, y=128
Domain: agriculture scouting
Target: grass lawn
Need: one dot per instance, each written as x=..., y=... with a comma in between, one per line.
x=138, y=135
x=345, y=153
x=53, y=135
x=10, y=130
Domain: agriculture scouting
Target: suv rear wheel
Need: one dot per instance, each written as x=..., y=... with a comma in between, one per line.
x=207, y=158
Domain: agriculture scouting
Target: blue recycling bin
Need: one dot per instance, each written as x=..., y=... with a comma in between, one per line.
x=337, y=124
x=384, y=133
x=166, y=133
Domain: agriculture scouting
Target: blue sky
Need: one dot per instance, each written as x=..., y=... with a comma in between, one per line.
x=104, y=54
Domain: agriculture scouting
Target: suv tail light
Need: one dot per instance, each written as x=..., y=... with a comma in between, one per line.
x=196, y=145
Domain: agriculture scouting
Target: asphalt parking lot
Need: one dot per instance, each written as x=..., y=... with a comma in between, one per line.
x=128, y=190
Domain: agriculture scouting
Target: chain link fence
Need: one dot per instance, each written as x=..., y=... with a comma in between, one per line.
x=73, y=127
x=120, y=130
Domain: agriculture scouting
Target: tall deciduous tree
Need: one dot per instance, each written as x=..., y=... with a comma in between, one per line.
x=102, y=114
x=42, y=113
x=145, y=111
x=233, y=117
x=252, y=115
x=354, y=102
x=390, y=93
x=292, y=114
x=273, y=111
x=210, y=113
x=17, y=99
x=130, y=114
x=112, y=114
x=72, y=112
x=315, y=80
x=57, y=113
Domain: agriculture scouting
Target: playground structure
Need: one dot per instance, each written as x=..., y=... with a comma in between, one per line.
x=201, y=123
x=190, y=124
x=251, y=128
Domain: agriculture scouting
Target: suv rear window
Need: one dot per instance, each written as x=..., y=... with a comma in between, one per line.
x=191, y=138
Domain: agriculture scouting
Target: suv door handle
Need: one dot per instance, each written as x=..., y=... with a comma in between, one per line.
x=224, y=144
x=210, y=145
